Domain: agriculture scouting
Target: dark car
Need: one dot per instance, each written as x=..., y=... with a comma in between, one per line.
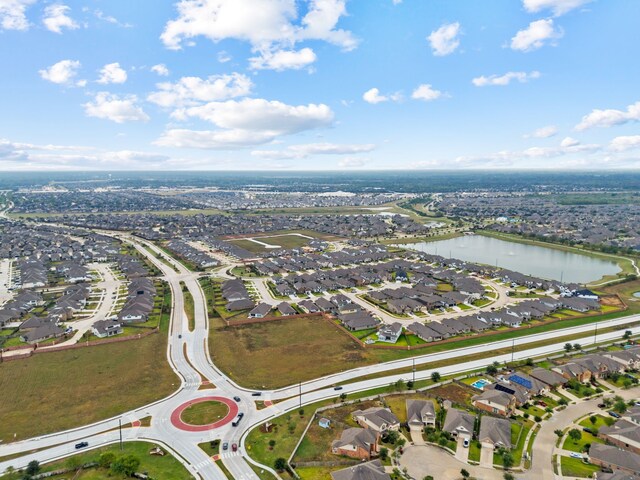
x=225, y=446
x=601, y=405
x=237, y=399
x=256, y=394
x=337, y=388
x=82, y=445
x=179, y=336
x=234, y=447
x=614, y=414
x=588, y=430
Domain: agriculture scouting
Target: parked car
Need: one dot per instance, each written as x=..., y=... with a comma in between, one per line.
x=337, y=388
x=601, y=405
x=82, y=445
x=465, y=443
x=256, y=394
x=576, y=455
x=179, y=335
x=541, y=403
x=234, y=447
x=614, y=414
x=237, y=399
x=225, y=446
x=588, y=430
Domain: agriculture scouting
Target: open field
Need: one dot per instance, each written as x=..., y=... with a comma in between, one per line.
x=274, y=354
x=77, y=387
x=282, y=241
x=156, y=466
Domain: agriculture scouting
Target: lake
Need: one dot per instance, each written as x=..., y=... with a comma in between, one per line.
x=532, y=260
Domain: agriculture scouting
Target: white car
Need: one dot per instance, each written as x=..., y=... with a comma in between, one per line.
x=576, y=455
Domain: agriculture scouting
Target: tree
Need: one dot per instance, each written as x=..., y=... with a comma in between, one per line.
x=577, y=346
x=435, y=377
x=464, y=473
x=125, y=465
x=568, y=347
x=384, y=453
x=73, y=463
x=507, y=460
x=33, y=467
x=106, y=459
x=272, y=443
x=508, y=476
x=575, y=435
x=428, y=477
x=492, y=369
x=627, y=334
x=593, y=419
x=558, y=432
x=280, y=464
x=391, y=436
x=529, y=362
x=343, y=396
x=620, y=406
x=400, y=385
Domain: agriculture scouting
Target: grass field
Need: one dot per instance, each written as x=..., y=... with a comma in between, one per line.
x=574, y=467
x=60, y=390
x=283, y=241
x=165, y=466
x=204, y=413
x=275, y=354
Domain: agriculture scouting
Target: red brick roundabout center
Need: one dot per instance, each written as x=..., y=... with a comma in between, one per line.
x=176, y=416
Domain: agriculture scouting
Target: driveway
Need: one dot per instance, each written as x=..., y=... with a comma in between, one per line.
x=421, y=461
x=486, y=456
x=462, y=453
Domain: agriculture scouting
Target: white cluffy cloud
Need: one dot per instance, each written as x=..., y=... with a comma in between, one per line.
x=444, y=40
x=558, y=7
x=119, y=109
x=374, y=96
x=283, y=60
x=503, y=80
x=161, y=69
x=275, y=31
x=56, y=18
x=625, y=143
x=610, y=117
x=112, y=73
x=13, y=14
x=536, y=35
x=62, y=72
x=250, y=121
x=191, y=91
x=304, y=151
x=426, y=92
x=543, y=132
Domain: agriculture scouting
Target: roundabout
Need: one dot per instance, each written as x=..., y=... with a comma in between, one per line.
x=185, y=410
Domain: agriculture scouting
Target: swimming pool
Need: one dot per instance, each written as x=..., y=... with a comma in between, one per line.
x=480, y=384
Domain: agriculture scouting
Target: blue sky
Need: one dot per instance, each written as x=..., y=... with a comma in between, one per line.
x=319, y=84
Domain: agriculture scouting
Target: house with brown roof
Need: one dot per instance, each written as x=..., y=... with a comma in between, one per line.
x=356, y=442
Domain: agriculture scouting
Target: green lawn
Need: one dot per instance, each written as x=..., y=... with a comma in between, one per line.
x=574, y=467
x=204, y=413
x=157, y=466
x=580, y=445
x=189, y=308
x=601, y=421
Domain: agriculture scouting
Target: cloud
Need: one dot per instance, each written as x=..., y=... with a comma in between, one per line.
x=426, y=92
x=396, y=2
x=543, y=132
x=536, y=35
x=161, y=69
x=373, y=96
x=283, y=60
x=444, y=41
x=119, y=109
x=100, y=15
x=13, y=14
x=276, y=30
x=503, y=80
x=251, y=121
x=190, y=91
x=56, y=18
x=223, y=57
x=62, y=72
x=610, y=117
x=558, y=7
x=112, y=73
x=352, y=162
x=625, y=143
x=304, y=151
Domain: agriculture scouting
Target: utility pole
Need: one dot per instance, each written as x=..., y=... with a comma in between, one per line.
x=513, y=348
x=414, y=372
x=595, y=334
x=120, y=428
x=300, y=394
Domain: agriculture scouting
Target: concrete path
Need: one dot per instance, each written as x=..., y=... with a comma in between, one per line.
x=421, y=461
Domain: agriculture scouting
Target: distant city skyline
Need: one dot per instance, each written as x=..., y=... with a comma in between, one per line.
x=319, y=85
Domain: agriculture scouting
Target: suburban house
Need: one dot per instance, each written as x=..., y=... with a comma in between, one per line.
x=106, y=328
x=495, y=432
x=373, y=470
x=459, y=423
x=308, y=306
x=358, y=321
x=624, y=434
x=551, y=378
x=495, y=401
x=376, y=418
x=42, y=333
x=359, y=443
x=614, y=458
x=425, y=332
x=260, y=311
x=420, y=414
x=390, y=333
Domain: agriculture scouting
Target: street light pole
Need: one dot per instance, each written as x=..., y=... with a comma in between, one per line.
x=120, y=428
x=595, y=334
x=300, y=394
x=513, y=347
x=414, y=371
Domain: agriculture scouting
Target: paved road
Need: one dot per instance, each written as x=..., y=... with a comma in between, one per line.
x=189, y=357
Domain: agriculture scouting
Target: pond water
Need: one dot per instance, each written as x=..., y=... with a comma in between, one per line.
x=533, y=260
x=636, y=294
